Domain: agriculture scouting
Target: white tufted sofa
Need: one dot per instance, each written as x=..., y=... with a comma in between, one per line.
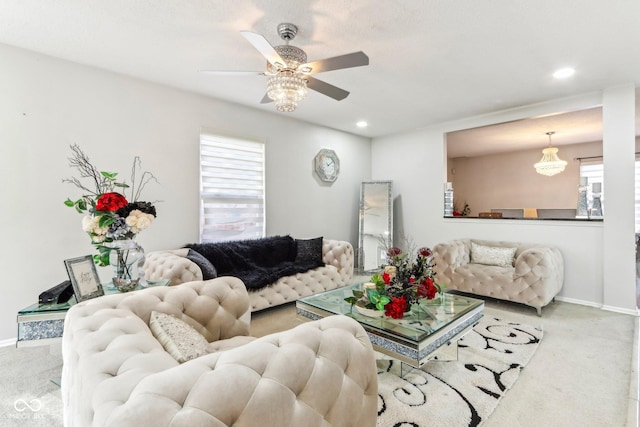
x=535, y=278
x=337, y=255
x=116, y=373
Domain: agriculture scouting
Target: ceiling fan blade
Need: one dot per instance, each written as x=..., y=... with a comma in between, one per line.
x=326, y=88
x=266, y=99
x=233, y=73
x=262, y=45
x=355, y=59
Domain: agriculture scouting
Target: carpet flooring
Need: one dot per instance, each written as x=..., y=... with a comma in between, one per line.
x=458, y=393
x=579, y=376
x=28, y=397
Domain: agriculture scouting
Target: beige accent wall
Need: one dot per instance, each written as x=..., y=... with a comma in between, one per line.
x=509, y=180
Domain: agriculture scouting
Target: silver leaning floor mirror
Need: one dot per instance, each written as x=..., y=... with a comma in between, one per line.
x=376, y=224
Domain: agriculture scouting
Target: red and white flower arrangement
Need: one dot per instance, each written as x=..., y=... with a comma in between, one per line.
x=108, y=214
x=404, y=282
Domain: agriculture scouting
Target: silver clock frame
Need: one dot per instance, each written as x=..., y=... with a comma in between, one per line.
x=318, y=165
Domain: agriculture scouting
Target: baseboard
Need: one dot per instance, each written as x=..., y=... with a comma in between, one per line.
x=579, y=301
x=8, y=342
x=629, y=311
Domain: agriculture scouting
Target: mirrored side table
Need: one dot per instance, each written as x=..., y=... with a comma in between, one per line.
x=43, y=324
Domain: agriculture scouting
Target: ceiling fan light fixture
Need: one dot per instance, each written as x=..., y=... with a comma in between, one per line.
x=550, y=164
x=289, y=73
x=286, y=89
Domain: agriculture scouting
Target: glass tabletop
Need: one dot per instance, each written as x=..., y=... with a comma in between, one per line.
x=108, y=290
x=423, y=320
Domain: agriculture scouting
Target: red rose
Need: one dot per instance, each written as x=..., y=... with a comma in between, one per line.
x=396, y=307
x=427, y=289
x=412, y=279
x=394, y=252
x=424, y=252
x=111, y=202
x=386, y=277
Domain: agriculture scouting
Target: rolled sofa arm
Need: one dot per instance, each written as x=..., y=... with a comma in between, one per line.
x=340, y=254
x=541, y=269
x=321, y=373
x=171, y=265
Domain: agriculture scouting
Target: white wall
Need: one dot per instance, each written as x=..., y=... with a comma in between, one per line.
x=415, y=161
x=618, y=115
x=48, y=104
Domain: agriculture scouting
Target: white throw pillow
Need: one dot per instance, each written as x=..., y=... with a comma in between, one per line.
x=178, y=338
x=491, y=255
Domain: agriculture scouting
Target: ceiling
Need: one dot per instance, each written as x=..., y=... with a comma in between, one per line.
x=431, y=61
x=569, y=128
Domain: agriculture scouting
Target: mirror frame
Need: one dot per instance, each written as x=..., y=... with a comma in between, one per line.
x=389, y=241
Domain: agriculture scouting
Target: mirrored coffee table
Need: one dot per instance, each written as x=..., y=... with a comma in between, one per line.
x=413, y=340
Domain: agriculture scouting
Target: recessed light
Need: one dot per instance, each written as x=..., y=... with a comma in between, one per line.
x=563, y=73
x=362, y=124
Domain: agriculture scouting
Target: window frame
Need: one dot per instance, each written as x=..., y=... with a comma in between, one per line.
x=231, y=180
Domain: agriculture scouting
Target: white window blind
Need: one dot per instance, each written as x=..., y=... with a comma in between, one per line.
x=231, y=188
x=595, y=172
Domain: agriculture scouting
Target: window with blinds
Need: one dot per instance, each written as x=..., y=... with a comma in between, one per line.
x=231, y=188
x=595, y=172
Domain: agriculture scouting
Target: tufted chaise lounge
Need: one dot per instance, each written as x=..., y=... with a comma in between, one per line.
x=337, y=255
x=534, y=279
x=116, y=373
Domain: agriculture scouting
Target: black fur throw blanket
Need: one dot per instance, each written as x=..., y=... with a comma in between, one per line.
x=258, y=262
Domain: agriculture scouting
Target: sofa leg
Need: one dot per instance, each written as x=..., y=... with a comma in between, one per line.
x=539, y=311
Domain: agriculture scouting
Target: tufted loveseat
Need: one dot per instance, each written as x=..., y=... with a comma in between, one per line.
x=116, y=373
x=534, y=277
x=337, y=271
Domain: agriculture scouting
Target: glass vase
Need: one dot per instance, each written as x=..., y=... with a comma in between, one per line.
x=127, y=259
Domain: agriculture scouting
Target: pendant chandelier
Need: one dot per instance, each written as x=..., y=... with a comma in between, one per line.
x=550, y=164
x=287, y=86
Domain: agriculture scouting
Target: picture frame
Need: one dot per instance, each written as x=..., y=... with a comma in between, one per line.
x=84, y=277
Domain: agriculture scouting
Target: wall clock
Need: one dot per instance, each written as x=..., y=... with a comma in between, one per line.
x=327, y=165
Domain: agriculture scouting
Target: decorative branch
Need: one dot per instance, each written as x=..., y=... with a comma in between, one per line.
x=81, y=162
x=144, y=180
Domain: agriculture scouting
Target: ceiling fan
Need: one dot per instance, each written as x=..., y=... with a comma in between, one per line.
x=289, y=72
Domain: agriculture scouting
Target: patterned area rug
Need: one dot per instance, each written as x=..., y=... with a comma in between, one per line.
x=457, y=393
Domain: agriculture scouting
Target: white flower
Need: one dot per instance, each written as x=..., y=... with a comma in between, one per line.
x=90, y=224
x=98, y=238
x=139, y=220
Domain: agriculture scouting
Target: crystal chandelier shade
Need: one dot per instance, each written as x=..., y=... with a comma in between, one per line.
x=287, y=86
x=550, y=164
x=286, y=89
